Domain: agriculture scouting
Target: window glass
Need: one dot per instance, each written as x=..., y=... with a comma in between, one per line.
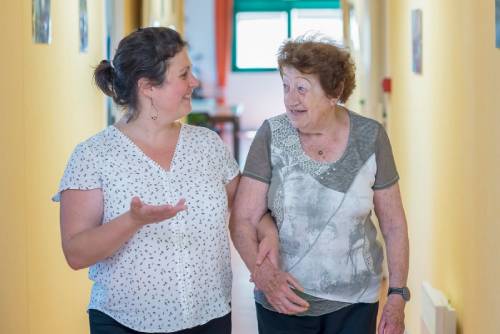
x=258, y=39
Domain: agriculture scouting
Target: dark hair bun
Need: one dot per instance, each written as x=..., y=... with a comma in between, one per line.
x=104, y=76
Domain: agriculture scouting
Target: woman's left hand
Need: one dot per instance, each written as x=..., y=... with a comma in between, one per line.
x=393, y=316
x=278, y=288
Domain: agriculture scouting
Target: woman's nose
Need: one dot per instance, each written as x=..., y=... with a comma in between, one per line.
x=291, y=99
x=194, y=81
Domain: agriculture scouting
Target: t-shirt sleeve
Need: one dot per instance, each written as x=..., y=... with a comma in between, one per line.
x=258, y=164
x=82, y=171
x=387, y=173
x=228, y=165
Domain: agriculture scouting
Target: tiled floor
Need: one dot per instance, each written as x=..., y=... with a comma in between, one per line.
x=243, y=307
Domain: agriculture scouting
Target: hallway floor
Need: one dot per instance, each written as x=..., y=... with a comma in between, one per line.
x=243, y=307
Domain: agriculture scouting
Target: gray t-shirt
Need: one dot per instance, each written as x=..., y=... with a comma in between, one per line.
x=322, y=210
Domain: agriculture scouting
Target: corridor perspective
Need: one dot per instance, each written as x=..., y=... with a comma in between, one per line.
x=429, y=71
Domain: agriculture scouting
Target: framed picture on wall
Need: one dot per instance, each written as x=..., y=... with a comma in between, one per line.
x=83, y=26
x=40, y=21
x=416, y=40
x=497, y=22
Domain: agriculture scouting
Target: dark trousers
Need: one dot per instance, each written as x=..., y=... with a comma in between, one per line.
x=358, y=318
x=101, y=323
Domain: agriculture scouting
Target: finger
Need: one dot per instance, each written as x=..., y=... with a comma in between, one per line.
x=136, y=203
x=389, y=329
x=278, y=307
x=294, y=283
x=178, y=208
x=292, y=297
x=181, y=204
x=274, y=257
x=263, y=250
x=166, y=211
x=381, y=326
x=157, y=211
x=292, y=308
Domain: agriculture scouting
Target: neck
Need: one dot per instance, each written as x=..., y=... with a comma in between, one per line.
x=147, y=129
x=329, y=124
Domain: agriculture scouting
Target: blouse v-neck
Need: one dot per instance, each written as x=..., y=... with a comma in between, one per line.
x=326, y=163
x=128, y=141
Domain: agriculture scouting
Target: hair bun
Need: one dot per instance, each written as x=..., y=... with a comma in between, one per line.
x=104, y=76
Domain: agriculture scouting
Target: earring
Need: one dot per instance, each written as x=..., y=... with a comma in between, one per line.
x=154, y=117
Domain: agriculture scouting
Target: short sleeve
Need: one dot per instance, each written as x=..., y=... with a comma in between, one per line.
x=387, y=173
x=82, y=171
x=229, y=166
x=258, y=164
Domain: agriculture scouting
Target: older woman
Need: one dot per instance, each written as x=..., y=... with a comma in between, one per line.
x=320, y=169
x=157, y=267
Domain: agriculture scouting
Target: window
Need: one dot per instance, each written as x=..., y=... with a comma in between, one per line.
x=260, y=26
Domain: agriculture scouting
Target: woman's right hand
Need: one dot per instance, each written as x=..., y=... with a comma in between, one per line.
x=143, y=214
x=277, y=286
x=269, y=247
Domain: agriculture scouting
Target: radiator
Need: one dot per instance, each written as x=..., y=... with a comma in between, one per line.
x=437, y=316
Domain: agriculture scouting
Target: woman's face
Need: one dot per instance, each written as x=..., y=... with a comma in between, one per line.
x=173, y=96
x=307, y=105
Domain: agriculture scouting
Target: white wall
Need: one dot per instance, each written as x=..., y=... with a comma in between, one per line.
x=368, y=58
x=260, y=93
x=199, y=30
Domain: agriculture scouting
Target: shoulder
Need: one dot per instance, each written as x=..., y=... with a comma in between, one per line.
x=205, y=140
x=365, y=130
x=363, y=123
x=96, y=143
x=194, y=132
x=277, y=122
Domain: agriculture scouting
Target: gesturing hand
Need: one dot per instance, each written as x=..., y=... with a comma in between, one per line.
x=393, y=316
x=143, y=214
x=277, y=286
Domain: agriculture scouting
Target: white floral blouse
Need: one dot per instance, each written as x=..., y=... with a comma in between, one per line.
x=175, y=274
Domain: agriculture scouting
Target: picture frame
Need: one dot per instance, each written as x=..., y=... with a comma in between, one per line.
x=497, y=23
x=41, y=22
x=416, y=40
x=83, y=26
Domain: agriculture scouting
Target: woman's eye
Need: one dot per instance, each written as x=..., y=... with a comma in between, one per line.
x=286, y=88
x=301, y=89
x=184, y=75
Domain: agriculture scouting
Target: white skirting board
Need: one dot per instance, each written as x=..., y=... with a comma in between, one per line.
x=437, y=315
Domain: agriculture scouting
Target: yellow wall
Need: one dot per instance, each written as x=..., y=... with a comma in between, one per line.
x=165, y=12
x=13, y=278
x=131, y=15
x=49, y=104
x=444, y=129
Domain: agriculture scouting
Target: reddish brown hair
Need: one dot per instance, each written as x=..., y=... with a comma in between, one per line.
x=331, y=63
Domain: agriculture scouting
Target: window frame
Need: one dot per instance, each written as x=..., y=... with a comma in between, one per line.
x=273, y=6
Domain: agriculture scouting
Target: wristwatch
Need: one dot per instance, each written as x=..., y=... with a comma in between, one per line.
x=404, y=292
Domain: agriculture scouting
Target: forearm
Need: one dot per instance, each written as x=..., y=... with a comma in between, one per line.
x=397, y=246
x=244, y=237
x=267, y=228
x=95, y=244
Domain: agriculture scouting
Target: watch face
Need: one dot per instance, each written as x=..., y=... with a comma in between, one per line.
x=404, y=292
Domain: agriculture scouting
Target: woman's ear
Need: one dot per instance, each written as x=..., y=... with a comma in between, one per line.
x=145, y=87
x=339, y=90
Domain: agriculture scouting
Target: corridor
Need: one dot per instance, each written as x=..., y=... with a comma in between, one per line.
x=428, y=71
